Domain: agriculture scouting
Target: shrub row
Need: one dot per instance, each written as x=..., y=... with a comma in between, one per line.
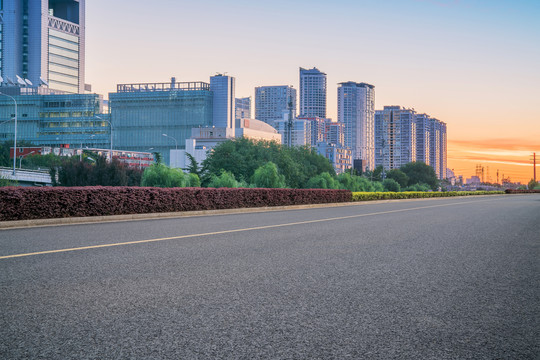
x=364, y=196
x=19, y=203
x=512, y=191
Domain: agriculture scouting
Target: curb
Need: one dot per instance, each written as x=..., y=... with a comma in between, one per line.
x=15, y=224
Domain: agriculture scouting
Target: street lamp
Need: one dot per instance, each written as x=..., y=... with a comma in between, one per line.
x=15, y=135
x=110, y=154
x=20, y=159
x=91, y=136
x=175, y=142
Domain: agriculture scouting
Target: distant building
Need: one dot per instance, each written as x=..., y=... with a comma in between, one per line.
x=204, y=139
x=438, y=147
x=223, y=88
x=395, y=137
x=340, y=157
x=356, y=110
x=42, y=43
x=300, y=131
x=318, y=127
x=272, y=101
x=242, y=110
x=55, y=120
x=334, y=132
x=131, y=158
x=312, y=93
x=142, y=113
x=423, y=138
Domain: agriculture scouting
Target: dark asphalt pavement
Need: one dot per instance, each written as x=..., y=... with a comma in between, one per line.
x=424, y=279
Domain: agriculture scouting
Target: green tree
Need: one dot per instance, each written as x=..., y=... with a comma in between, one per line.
x=533, y=184
x=193, y=180
x=323, y=181
x=391, y=185
x=419, y=172
x=159, y=175
x=417, y=187
x=193, y=167
x=267, y=176
x=241, y=157
x=225, y=179
x=399, y=176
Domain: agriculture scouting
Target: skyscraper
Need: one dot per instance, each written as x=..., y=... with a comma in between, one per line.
x=223, y=88
x=272, y=101
x=312, y=93
x=42, y=44
x=395, y=137
x=437, y=136
x=423, y=128
x=356, y=110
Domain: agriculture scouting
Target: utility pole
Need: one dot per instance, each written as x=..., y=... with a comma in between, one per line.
x=497, y=176
x=290, y=123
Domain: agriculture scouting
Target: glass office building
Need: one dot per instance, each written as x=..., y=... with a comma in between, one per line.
x=69, y=120
x=42, y=44
x=142, y=113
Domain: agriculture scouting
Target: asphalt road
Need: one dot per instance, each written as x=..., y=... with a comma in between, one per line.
x=424, y=279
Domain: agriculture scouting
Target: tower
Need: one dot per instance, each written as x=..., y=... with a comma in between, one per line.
x=356, y=110
x=43, y=44
x=312, y=93
x=223, y=89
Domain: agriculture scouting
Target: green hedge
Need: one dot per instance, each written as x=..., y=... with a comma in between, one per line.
x=364, y=196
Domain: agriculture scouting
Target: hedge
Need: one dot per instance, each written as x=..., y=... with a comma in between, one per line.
x=532, y=191
x=24, y=203
x=365, y=196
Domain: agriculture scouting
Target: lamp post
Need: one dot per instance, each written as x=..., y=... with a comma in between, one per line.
x=91, y=136
x=15, y=135
x=175, y=142
x=20, y=159
x=110, y=154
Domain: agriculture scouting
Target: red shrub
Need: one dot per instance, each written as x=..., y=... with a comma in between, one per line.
x=19, y=203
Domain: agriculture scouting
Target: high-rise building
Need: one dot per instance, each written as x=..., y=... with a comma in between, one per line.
x=312, y=93
x=317, y=129
x=356, y=110
x=438, y=147
x=423, y=128
x=43, y=43
x=300, y=132
x=395, y=137
x=334, y=132
x=242, y=110
x=272, y=101
x=223, y=87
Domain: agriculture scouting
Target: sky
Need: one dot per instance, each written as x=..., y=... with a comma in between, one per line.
x=474, y=64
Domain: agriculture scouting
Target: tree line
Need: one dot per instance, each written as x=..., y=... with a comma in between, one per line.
x=236, y=163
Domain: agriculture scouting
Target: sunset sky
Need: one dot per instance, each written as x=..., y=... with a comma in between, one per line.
x=472, y=64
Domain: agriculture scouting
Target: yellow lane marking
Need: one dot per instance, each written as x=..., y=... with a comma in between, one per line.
x=231, y=231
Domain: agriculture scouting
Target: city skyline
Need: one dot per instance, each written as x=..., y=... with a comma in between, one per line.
x=467, y=63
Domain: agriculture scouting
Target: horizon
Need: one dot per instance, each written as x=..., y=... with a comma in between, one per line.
x=470, y=64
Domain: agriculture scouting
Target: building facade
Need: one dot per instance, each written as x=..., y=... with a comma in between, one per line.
x=223, y=88
x=68, y=120
x=272, y=101
x=395, y=137
x=242, y=109
x=356, y=110
x=340, y=157
x=423, y=139
x=318, y=127
x=438, y=148
x=312, y=93
x=299, y=134
x=159, y=116
x=334, y=132
x=43, y=44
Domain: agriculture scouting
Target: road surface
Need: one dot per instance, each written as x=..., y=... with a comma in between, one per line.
x=422, y=279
